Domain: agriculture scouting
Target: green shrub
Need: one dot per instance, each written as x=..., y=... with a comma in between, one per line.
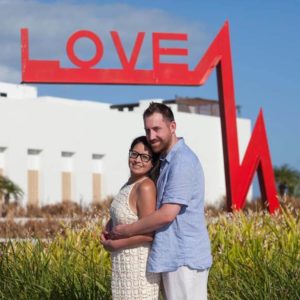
x=73, y=266
x=256, y=256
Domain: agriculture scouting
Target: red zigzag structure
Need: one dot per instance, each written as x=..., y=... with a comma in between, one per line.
x=238, y=175
x=257, y=156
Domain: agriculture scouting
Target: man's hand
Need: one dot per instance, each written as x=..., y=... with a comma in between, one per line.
x=120, y=231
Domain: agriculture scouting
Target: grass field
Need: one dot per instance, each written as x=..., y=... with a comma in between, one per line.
x=256, y=256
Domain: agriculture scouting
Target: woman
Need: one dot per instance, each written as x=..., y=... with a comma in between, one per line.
x=136, y=199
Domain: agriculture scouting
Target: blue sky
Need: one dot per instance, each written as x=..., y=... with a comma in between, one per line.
x=265, y=42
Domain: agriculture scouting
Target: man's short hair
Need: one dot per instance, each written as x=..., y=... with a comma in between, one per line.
x=164, y=110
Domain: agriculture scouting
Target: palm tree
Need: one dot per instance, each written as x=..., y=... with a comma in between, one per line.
x=287, y=179
x=9, y=189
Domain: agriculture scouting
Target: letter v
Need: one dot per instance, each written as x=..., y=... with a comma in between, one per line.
x=128, y=65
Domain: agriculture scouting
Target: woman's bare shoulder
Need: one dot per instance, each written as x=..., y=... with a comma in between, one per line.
x=147, y=185
x=146, y=197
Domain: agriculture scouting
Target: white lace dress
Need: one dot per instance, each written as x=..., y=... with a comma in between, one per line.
x=130, y=280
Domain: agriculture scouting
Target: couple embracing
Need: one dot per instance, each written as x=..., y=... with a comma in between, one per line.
x=157, y=228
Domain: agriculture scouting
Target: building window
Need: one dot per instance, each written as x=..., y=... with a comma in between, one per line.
x=97, y=156
x=66, y=175
x=33, y=176
x=67, y=154
x=97, y=178
x=33, y=151
x=2, y=159
x=3, y=94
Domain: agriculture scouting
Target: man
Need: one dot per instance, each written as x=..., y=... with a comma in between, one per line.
x=181, y=247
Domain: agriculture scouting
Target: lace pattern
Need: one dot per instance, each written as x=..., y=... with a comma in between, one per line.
x=130, y=281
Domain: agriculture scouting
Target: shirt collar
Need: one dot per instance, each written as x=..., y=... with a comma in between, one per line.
x=173, y=150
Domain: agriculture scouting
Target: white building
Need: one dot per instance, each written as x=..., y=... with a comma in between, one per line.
x=59, y=149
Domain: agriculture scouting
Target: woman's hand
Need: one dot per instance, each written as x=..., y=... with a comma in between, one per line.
x=108, y=244
x=108, y=226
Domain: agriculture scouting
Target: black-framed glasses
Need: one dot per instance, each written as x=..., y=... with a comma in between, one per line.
x=144, y=157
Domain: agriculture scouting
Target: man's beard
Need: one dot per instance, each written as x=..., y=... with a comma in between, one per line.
x=160, y=146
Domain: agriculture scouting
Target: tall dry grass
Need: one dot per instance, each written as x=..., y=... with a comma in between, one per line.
x=256, y=256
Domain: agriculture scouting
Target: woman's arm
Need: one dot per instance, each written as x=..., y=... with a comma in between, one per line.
x=145, y=195
x=113, y=245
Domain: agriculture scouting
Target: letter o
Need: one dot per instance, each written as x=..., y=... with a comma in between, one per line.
x=74, y=58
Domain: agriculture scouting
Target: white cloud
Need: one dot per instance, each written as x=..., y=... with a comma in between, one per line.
x=50, y=25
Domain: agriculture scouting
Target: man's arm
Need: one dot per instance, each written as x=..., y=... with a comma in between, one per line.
x=161, y=217
x=145, y=206
x=113, y=245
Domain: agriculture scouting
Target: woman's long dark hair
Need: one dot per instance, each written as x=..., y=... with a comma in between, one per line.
x=154, y=172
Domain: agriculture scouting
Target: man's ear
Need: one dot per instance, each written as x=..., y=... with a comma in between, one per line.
x=173, y=126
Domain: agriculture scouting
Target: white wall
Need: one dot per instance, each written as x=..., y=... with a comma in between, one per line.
x=18, y=91
x=85, y=128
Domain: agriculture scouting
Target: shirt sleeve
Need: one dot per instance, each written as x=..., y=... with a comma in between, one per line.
x=180, y=182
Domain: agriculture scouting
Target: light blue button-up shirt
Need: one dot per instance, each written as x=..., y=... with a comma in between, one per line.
x=185, y=241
